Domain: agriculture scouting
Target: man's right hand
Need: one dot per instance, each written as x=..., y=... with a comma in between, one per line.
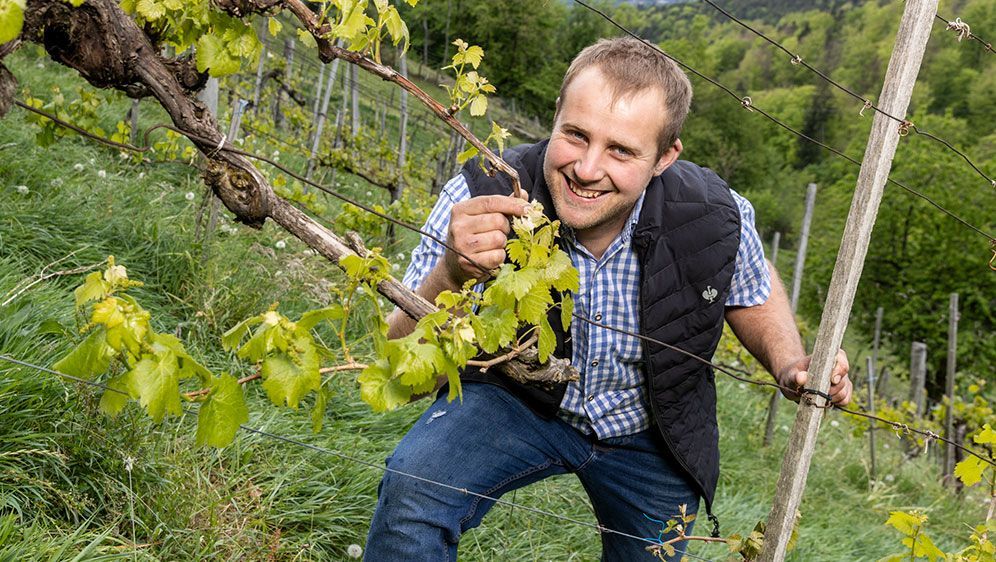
x=478, y=230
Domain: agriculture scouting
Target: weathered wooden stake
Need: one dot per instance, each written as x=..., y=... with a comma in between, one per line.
x=238, y=105
x=871, y=410
x=918, y=376
x=403, y=126
x=259, y=77
x=800, y=256
x=769, y=424
x=904, y=65
x=278, y=114
x=316, y=140
x=800, y=262
x=354, y=79
x=949, y=385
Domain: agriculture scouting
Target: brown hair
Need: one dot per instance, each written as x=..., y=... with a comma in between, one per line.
x=630, y=66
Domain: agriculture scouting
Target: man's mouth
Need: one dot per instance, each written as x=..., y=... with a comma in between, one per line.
x=581, y=192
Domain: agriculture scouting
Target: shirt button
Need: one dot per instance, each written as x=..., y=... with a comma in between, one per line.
x=598, y=318
x=591, y=397
x=594, y=363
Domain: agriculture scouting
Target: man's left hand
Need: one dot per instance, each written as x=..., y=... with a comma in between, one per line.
x=797, y=375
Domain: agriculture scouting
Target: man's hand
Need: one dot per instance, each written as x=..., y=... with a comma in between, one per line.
x=796, y=375
x=478, y=230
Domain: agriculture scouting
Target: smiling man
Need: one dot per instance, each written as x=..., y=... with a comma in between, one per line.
x=665, y=249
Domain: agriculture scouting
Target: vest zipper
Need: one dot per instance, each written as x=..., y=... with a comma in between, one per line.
x=640, y=242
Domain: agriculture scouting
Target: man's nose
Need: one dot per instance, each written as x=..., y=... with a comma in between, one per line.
x=588, y=168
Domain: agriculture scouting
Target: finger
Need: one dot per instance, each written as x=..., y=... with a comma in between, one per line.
x=503, y=204
x=842, y=394
x=484, y=242
x=489, y=260
x=800, y=378
x=463, y=225
x=523, y=195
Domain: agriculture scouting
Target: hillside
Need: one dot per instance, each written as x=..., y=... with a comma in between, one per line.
x=76, y=484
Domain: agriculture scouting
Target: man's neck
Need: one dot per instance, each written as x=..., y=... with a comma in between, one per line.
x=597, y=239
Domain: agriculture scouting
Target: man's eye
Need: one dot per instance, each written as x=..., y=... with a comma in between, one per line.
x=622, y=151
x=576, y=135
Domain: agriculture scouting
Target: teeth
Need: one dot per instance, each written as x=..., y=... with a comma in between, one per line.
x=586, y=194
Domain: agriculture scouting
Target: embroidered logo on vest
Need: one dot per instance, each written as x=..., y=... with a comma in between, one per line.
x=710, y=294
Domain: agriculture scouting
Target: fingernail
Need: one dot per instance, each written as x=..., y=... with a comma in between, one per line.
x=836, y=380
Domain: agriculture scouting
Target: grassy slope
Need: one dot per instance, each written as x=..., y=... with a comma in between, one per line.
x=64, y=489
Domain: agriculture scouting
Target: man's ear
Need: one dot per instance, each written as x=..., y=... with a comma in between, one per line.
x=669, y=157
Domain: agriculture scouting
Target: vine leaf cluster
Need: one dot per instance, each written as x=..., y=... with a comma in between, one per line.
x=512, y=310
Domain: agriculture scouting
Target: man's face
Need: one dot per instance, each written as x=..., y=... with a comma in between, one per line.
x=602, y=155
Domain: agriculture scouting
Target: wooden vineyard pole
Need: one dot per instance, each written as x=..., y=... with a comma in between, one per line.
x=871, y=410
x=769, y=425
x=316, y=138
x=918, y=376
x=800, y=256
x=800, y=262
x=904, y=65
x=879, y=384
x=949, y=386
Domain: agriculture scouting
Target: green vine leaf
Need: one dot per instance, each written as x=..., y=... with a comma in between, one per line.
x=213, y=55
x=288, y=381
x=222, y=412
x=11, y=19
x=116, y=397
x=155, y=381
x=379, y=390
x=970, y=470
x=91, y=358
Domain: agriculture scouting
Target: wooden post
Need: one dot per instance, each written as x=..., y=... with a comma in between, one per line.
x=133, y=120
x=354, y=79
x=322, y=117
x=278, y=115
x=918, y=376
x=403, y=127
x=769, y=424
x=904, y=65
x=800, y=261
x=776, y=239
x=949, y=385
x=259, y=77
x=871, y=410
x=319, y=88
x=238, y=105
x=800, y=256
x=876, y=341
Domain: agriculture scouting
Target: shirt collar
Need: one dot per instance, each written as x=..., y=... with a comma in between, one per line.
x=567, y=233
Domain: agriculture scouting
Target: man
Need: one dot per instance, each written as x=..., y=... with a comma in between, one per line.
x=664, y=248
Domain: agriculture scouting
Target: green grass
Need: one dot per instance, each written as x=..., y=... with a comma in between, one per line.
x=65, y=490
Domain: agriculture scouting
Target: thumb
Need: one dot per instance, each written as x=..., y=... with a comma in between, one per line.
x=801, y=377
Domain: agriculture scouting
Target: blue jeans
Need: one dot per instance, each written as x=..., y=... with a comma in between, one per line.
x=492, y=444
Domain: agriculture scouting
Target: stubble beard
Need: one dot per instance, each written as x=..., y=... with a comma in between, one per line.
x=586, y=220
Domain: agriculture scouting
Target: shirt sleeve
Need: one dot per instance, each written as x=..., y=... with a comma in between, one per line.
x=427, y=254
x=751, y=283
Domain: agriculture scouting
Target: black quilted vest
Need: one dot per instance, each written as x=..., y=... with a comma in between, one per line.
x=686, y=242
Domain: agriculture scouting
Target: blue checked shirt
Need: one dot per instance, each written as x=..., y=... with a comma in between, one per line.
x=611, y=398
